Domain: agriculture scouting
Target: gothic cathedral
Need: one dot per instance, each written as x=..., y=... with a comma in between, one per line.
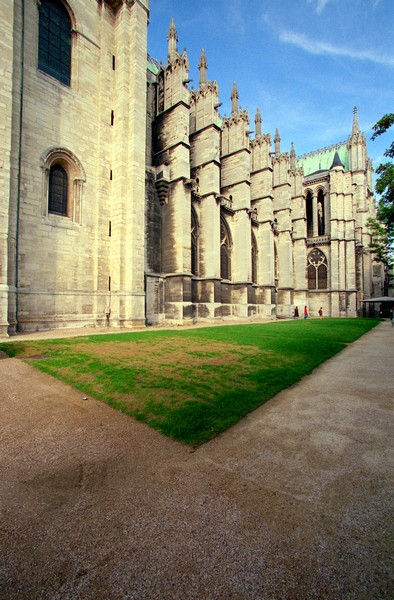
x=127, y=199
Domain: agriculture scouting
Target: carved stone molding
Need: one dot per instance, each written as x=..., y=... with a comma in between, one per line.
x=162, y=183
x=240, y=116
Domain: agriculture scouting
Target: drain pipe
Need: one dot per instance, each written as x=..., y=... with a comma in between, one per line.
x=18, y=197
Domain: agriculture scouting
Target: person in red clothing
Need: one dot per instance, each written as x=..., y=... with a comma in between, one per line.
x=305, y=312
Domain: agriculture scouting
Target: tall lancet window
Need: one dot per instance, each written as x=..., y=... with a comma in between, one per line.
x=309, y=214
x=254, y=259
x=194, y=243
x=54, y=40
x=320, y=213
x=225, y=250
x=58, y=191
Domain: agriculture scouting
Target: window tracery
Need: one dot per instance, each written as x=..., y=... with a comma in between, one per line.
x=317, y=270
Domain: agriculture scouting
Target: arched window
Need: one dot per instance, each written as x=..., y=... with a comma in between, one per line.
x=317, y=270
x=63, y=183
x=54, y=40
x=225, y=250
x=320, y=213
x=254, y=259
x=194, y=243
x=58, y=190
x=309, y=214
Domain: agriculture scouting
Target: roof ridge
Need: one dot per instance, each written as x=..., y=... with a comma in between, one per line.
x=314, y=152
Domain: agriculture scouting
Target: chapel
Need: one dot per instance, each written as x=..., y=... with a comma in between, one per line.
x=128, y=199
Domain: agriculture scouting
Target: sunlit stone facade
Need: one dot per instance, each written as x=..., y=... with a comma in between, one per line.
x=127, y=199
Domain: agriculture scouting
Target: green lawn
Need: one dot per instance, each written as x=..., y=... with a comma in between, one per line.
x=192, y=384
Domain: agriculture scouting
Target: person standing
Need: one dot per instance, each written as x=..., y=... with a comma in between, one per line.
x=321, y=312
x=296, y=314
x=305, y=312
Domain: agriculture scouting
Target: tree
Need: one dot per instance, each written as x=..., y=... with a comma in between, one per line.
x=385, y=181
x=382, y=228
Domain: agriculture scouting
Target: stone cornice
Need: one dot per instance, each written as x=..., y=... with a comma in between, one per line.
x=238, y=117
x=210, y=87
x=243, y=149
x=115, y=4
x=231, y=185
x=162, y=113
x=202, y=129
x=265, y=138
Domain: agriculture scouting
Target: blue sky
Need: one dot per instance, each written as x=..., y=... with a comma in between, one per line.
x=304, y=63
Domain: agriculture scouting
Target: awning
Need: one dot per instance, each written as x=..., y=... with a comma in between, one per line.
x=382, y=299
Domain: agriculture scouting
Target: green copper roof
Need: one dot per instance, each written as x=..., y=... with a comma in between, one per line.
x=152, y=65
x=152, y=68
x=321, y=160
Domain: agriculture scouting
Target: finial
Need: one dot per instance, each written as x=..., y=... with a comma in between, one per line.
x=172, y=38
x=203, y=65
x=277, y=142
x=356, y=126
x=257, y=121
x=292, y=156
x=234, y=99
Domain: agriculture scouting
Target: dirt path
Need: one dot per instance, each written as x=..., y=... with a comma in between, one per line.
x=293, y=502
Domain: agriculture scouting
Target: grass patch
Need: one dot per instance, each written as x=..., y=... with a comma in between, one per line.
x=192, y=384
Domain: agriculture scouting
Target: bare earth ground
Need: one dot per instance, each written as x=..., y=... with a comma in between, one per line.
x=293, y=502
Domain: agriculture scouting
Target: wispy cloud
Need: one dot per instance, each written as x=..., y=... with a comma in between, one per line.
x=325, y=48
x=236, y=16
x=319, y=5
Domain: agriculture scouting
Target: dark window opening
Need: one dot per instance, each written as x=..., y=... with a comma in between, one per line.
x=113, y=62
x=320, y=213
x=58, y=191
x=309, y=215
x=194, y=244
x=112, y=117
x=225, y=251
x=54, y=40
x=311, y=277
x=254, y=259
x=322, y=277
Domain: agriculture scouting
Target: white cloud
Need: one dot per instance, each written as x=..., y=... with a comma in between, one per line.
x=325, y=48
x=235, y=16
x=320, y=5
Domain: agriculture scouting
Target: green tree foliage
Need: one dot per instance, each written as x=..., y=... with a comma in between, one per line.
x=382, y=229
x=385, y=181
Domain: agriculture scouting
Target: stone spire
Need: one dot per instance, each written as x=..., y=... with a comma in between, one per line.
x=356, y=126
x=277, y=142
x=203, y=66
x=234, y=99
x=257, y=122
x=292, y=157
x=172, y=38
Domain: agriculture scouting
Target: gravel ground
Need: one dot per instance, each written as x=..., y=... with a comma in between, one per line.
x=293, y=502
